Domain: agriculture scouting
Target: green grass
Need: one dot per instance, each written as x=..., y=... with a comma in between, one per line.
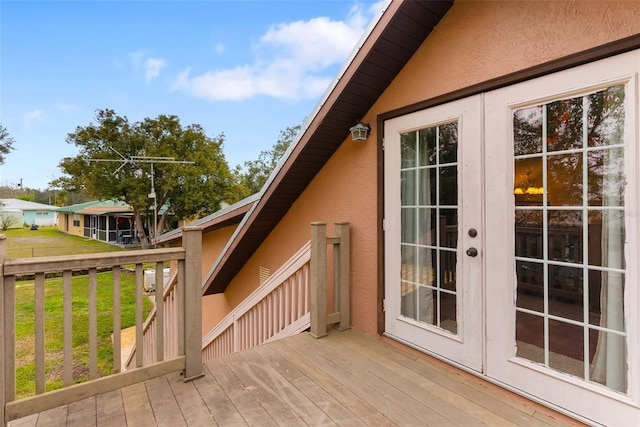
x=48, y=241
x=54, y=338
x=54, y=332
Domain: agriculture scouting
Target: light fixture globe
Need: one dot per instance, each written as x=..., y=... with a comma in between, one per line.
x=360, y=132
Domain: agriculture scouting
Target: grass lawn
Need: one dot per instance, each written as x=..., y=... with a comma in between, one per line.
x=49, y=241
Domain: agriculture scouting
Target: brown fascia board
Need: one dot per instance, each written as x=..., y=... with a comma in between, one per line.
x=278, y=194
x=223, y=218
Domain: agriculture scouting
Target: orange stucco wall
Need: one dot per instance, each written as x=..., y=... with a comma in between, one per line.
x=214, y=306
x=476, y=41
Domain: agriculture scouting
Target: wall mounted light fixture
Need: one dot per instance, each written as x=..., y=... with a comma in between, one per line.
x=360, y=132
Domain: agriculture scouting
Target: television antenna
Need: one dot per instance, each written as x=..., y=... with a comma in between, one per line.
x=135, y=160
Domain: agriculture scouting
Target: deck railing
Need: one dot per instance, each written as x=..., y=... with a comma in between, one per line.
x=293, y=299
x=188, y=357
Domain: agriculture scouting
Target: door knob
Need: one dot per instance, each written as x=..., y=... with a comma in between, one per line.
x=472, y=252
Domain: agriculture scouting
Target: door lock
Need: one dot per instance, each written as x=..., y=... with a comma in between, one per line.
x=472, y=252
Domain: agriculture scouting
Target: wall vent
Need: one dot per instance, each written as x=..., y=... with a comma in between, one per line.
x=265, y=273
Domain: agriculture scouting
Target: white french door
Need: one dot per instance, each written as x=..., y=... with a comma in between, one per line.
x=511, y=237
x=433, y=217
x=562, y=275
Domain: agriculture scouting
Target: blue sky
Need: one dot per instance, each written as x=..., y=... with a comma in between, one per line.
x=248, y=69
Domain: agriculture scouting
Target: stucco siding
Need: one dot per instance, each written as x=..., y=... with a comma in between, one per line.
x=214, y=307
x=475, y=42
x=481, y=40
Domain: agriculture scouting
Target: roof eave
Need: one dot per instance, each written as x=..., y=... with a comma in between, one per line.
x=407, y=22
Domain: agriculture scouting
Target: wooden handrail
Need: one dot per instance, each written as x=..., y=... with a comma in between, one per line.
x=22, y=266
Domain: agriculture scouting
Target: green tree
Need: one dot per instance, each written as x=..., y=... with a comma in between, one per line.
x=183, y=191
x=6, y=143
x=256, y=172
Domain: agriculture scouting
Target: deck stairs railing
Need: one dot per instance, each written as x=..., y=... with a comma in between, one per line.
x=280, y=307
x=292, y=300
x=276, y=309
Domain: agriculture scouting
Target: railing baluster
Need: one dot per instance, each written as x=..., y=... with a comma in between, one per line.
x=117, y=343
x=93, y=324
x=287, y=302
x=68, y=327
x=159, y=298
x=10, y=338
x=181, y=307
x=307, y=288
x=39, y=331
x=236, y=334
x=139, y=323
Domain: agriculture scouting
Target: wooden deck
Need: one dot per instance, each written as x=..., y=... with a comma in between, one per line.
x=346, y=378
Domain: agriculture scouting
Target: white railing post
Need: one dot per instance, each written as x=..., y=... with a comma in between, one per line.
x=192, y=300
x=318, y=295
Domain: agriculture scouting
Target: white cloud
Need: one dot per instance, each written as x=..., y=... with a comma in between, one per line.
x=291, y=61
x=33, y=117
x=152, y=68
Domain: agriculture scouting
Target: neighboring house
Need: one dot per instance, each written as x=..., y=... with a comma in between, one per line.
x=493, y=209
x=104, y=220
x=25, y=212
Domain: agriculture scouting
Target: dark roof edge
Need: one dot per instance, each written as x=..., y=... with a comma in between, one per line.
x=224, y=217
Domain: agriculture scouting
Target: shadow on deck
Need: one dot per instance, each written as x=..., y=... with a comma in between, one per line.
x=346, y=378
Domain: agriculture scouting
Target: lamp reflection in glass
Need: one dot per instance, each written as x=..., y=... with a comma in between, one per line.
x=529, y=190
x=360, y=132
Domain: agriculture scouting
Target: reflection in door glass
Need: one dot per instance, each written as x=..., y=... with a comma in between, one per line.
x=569, y=236
x=429, y=225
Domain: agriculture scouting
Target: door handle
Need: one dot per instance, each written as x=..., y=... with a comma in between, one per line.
x=472, y=252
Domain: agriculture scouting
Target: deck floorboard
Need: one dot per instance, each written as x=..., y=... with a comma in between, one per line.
x=345, y=379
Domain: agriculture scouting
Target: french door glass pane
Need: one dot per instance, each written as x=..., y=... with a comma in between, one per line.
x=429, y=225
x=569, y=236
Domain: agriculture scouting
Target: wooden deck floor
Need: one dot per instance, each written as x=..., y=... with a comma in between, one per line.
x=345, y=379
